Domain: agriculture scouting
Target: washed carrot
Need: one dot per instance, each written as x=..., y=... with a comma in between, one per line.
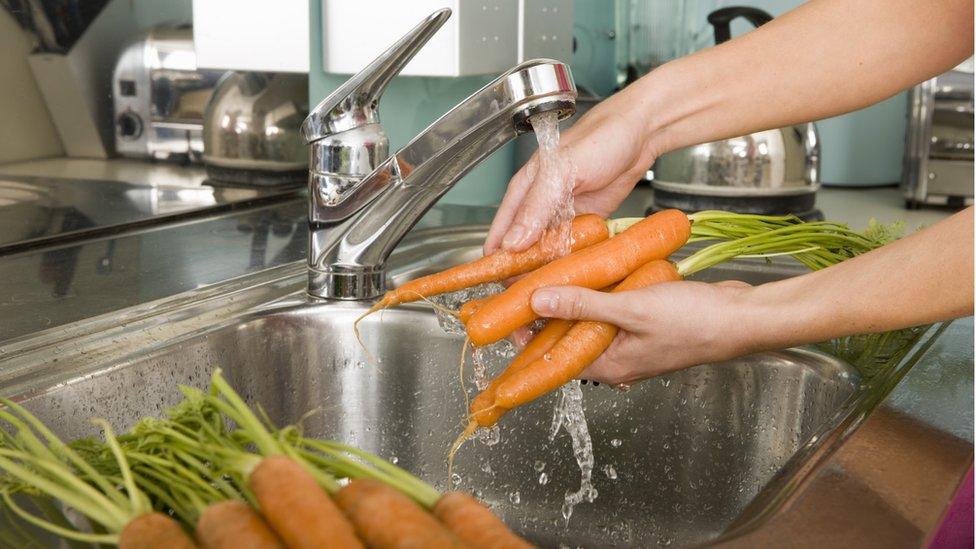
x=587, y=229
x=233, y=524
x=596, y=266
x=386, y=518
x=581, y=345
x=470, y=307
x=474, y=524
x=483, y=411
x=154, y=531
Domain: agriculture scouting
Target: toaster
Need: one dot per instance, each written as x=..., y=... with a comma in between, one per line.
x=159, y=97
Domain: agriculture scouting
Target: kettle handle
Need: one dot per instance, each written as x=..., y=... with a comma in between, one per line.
x=721, y=20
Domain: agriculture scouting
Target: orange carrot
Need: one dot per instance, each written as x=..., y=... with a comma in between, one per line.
x=581, y=345
x=154, y=531
x=297, y=509
x=587, y=229
x=387, y=518
x=596, y=266
x=233, y=524
x=471, y=521
x=470, y=307
x=483, y=411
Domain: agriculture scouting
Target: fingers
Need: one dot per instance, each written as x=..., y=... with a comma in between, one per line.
x=580, y=304
x=521, y=336
x=510, y=205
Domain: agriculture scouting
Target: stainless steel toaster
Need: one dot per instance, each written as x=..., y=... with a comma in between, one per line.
x=159, y=97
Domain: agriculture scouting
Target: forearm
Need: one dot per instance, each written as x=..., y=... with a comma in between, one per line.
x=825, y=58
x=919, y=279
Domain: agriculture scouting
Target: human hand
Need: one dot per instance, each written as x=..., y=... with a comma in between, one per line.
x=663, y=328
x=607, y=152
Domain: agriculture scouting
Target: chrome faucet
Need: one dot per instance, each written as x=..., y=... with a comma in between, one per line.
x=362, y=201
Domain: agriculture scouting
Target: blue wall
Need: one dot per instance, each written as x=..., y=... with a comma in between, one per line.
x=864, y=147
x=409, y=105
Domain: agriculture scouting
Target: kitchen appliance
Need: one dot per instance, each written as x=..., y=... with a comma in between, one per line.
x=938, y=166
x=768, y=172
x=251, y=130
x=159, y=97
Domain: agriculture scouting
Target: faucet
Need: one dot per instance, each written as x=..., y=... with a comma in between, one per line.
x=363, y=201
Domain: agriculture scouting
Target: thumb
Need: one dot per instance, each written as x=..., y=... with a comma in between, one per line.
x=573, y=302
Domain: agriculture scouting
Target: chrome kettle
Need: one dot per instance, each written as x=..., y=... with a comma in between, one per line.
x=769, y=172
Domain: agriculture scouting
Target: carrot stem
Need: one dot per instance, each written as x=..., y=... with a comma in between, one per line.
x=55, y=528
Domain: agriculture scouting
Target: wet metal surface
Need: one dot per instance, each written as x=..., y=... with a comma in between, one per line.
x=679, y=459
x=41, y=210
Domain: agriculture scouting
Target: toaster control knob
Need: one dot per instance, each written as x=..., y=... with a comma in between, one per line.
x=129, y=125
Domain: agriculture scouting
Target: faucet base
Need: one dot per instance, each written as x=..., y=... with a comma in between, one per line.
x=346, y=284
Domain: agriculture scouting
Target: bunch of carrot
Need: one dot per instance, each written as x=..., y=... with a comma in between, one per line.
x=191, y=480
x=618, y=256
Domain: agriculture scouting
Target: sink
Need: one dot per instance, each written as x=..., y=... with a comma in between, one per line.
x=677, y=459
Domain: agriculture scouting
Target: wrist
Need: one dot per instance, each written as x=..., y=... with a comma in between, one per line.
x=772, y=316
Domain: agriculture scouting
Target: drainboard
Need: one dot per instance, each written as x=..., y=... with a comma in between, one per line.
x=677, y=458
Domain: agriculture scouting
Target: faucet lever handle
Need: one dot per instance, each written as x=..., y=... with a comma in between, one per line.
x=355, y=103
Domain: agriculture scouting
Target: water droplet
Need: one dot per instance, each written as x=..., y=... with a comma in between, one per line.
x=515, y=497
x=456, y=480
x=616, y=443
x=539, y=465
x=394, y=460
x=543, y=479
x=610, y=472
x=490, y=436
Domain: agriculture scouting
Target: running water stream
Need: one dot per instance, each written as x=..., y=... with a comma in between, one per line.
x=552, y=194
x=552, y=188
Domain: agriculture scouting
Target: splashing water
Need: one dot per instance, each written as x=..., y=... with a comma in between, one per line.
x=453, y=301
x=568, y=415
x=552, y=188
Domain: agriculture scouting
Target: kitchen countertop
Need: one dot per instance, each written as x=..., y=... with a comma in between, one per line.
x=52, y=285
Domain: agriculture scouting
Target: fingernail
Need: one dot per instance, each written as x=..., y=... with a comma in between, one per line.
x=514, y=237
x=545, y=301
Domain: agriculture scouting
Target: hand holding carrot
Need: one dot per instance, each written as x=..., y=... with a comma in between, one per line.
x=663, y=328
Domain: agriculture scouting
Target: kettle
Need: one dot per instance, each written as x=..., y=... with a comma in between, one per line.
x=768, y=172
x=251, y=130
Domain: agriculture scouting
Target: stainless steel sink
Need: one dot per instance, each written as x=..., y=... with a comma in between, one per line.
x=678, y=458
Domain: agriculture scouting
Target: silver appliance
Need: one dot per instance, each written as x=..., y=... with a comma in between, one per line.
x=251, y=130
x=938, y=167
x=767, y=172
x=159, y=97
x=363, y=200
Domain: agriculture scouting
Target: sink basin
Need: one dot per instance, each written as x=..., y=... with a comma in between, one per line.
x=677, y=458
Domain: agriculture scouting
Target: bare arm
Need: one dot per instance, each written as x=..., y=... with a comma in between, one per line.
x=922, y=278
x=822, y=59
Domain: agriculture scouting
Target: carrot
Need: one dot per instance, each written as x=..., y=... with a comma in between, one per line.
x=471, y=521
x=154, y=531
x=581, y=345
x=232, y=524
x=587, y=229
x=596, y=266
x=386, y=518
x=296, y=507
x=482, y=411
x=470, y=307
x=291, y=499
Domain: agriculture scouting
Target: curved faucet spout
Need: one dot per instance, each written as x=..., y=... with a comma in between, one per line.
x=402, y=188
x=362, y=203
